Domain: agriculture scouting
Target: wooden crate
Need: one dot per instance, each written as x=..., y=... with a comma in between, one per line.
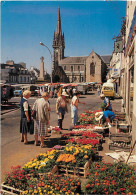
x=125, y=149
x=75, y=171
x=123, y=126
x=124, y=137
x=10, y=190
x=55, y=132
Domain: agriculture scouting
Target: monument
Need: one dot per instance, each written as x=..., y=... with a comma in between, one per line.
x=44, y=77
x=41, y=77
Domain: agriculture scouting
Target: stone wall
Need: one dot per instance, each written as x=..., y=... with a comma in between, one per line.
x=96, y=77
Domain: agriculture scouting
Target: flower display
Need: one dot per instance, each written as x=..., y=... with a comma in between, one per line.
x=58, y=147
x=55, y=184
x=76, y=155
x=106, y=178
x=43, y=163
x=85, y=134
x=56, y=129
x=66, y=158
x=88, y=117
x=83, y=141
x=17, y=178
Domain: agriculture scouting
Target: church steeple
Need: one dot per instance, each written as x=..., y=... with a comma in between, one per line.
x=58, y=31
x=58, y=42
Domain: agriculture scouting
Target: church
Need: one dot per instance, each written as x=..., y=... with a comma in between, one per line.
x=92, y=68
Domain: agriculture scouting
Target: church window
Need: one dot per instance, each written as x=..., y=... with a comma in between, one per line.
x=72, y=68
x=65, y=68
x=92, y=68
x=78, y=68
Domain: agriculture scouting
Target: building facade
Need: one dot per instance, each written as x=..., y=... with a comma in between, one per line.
x=123, y=67
x=130, y=66
x=91, y=68
x=15, y=73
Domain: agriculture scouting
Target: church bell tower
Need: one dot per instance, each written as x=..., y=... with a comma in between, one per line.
x=58, y=43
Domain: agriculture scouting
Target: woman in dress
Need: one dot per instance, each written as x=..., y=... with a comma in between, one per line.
x=25, y=116
x=41, y=106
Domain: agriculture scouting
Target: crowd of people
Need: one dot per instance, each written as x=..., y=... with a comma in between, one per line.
x=38, y=117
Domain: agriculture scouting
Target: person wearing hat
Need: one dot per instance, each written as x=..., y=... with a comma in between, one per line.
x=41, y=106
x=107, y=104
x=105, y=116
x=61, y=108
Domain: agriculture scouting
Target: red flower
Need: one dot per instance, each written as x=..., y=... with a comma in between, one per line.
x=122, y=189
x=115, y=193
x=87, y=186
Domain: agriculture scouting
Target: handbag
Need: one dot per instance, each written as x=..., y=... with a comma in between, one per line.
x=31, y=127
x=33, y=114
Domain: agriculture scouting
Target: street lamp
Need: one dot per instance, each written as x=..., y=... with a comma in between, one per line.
x=51, y=58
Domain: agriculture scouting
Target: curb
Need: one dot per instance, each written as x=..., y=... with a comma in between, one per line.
x=9, y=111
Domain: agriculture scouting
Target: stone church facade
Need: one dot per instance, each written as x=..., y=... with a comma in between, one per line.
x=92, y=68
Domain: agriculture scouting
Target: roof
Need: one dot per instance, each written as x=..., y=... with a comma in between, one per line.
x=106, y=58
x=73, y=60
x=37, y=70
x=80, y=60
x=12, y=66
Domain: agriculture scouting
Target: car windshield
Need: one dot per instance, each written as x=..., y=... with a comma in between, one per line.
x=108, y=88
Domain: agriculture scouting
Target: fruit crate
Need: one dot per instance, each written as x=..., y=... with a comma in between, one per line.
x=121, y=148
x=75, y=171
x=10, y=190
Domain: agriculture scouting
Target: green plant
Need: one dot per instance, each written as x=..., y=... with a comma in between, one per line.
x=106, y=178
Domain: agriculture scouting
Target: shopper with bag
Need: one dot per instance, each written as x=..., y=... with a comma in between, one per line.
x=25, y=116
x=61, y=108
x=41, y=121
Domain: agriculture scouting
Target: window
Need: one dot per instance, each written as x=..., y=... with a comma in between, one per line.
x=92, y=68
x=21, y=79
x=65, y=68
x=28, y=79
x=72, y=68
x=24, y=79
x=78, y=68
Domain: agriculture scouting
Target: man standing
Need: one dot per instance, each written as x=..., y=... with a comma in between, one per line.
x=61, y=108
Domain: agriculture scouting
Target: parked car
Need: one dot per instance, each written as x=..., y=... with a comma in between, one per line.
x=18, y=92
x=108, y=90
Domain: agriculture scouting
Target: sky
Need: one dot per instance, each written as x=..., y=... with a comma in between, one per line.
x=87, y=26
